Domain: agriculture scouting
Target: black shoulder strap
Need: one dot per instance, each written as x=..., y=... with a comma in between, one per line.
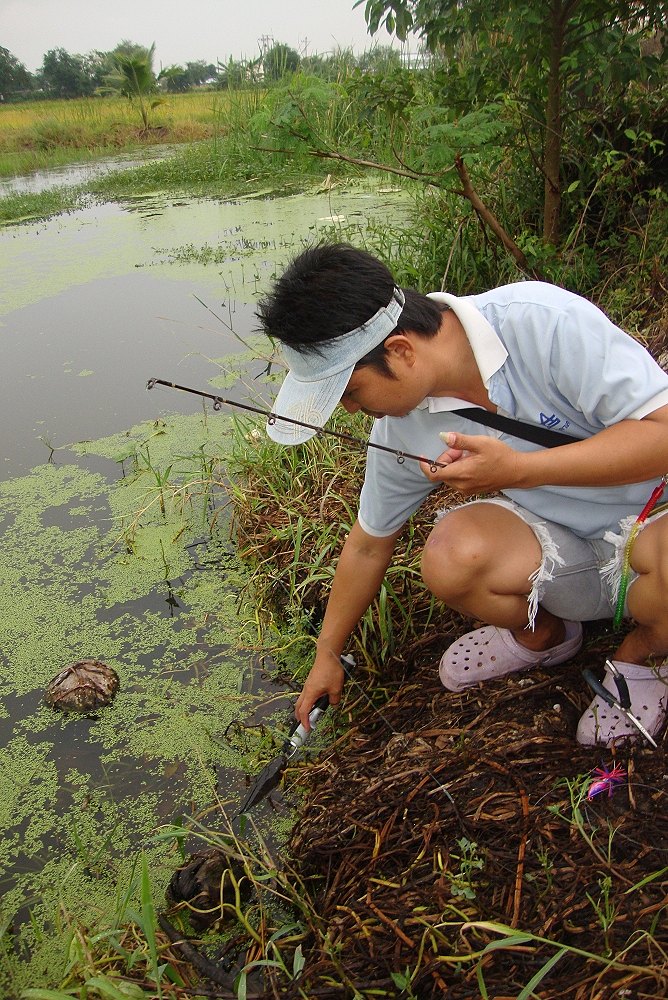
x=529, y=432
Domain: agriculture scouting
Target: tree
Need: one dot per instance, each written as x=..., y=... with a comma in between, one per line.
x=553, y=56
x=379, y=59
x=201, y=72
x=178, y=80
x=14, y=77
x=238, y=73
x=279, y=60
x=174, y=79
x=133, y=76
x=66, y=75
x=97, y=64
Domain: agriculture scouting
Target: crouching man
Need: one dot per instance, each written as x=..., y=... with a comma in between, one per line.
x=547, y=554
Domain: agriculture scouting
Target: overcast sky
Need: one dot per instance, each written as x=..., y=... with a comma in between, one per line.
x=183, y=30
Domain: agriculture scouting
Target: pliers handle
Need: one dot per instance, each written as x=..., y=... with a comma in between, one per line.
x=623, y=700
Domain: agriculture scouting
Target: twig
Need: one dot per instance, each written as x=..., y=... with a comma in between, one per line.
x=203, y=965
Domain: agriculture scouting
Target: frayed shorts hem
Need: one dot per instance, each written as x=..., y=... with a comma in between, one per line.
x=578, y=578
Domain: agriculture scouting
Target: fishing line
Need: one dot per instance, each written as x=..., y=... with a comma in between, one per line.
x=220, y=401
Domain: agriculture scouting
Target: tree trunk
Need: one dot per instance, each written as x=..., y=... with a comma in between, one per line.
x=552, y=147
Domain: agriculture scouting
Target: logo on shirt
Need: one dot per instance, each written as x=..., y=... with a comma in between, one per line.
x=550, y=422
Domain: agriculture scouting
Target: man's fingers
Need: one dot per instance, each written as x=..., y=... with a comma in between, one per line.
x=459, y=442
x=447, y=458
x=326, y=677
x=305, y=702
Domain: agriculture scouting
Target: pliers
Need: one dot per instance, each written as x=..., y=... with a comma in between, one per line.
x=271, y=775
x=622, y=703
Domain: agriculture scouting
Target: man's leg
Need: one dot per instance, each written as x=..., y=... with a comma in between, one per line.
x=483, y=559
x=639, y=656
x=479, y=560
x=648, y=596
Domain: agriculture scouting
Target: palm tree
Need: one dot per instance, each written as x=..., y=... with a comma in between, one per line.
x=134, y=76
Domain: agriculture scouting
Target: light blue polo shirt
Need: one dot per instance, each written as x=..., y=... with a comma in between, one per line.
x=546, y=357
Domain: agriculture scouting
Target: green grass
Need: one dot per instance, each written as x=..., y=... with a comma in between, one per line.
x=293, y=509
x=21, y=207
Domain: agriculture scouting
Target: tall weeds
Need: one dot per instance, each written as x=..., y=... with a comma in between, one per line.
x=292, y=511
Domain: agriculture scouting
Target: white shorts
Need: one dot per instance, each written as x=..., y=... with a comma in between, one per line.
x=578, y=578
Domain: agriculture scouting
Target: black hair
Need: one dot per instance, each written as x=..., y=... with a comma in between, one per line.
x=332, y=288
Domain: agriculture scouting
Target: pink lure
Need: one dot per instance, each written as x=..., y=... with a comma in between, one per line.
x=607, y=781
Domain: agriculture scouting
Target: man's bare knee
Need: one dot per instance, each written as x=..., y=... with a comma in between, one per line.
x=455, y=555
x=648, y=594
x=480, y=547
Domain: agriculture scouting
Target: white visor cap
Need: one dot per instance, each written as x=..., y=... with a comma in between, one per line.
x=317, y=380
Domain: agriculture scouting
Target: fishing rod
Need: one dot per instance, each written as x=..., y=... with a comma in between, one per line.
x=220, y=401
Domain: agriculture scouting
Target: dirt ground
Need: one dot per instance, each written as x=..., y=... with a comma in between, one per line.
x=439, y=812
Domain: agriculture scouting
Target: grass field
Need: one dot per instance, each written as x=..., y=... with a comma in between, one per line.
x=41, y=134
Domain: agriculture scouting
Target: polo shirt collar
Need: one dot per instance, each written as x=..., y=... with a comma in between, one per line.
x=489, y=352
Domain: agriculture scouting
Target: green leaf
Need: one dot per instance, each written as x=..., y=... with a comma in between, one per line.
x=39, y=994
x=123, y=991
x=298, y=961
x=540, y=975
x=241, y=985
x=148, y=921
x=482, y=986
x=508, y=942
x=399, y=979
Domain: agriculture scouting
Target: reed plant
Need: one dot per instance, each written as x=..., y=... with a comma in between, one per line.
x=126, y=958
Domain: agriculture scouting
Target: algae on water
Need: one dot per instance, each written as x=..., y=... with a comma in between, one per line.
x=129, y=572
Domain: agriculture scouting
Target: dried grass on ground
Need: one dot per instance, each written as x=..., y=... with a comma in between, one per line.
x=391, y=814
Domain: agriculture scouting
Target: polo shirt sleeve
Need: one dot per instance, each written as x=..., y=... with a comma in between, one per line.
x=597, y=368
x=392, y=491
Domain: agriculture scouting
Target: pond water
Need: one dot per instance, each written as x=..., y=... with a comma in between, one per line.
x=93, y=304
x=80, y=173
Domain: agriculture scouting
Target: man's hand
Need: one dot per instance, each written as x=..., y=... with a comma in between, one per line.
x=326, y=677
x=476, y=464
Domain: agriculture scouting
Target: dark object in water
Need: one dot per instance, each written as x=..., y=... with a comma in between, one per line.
x=208, y=884
x=82, y=686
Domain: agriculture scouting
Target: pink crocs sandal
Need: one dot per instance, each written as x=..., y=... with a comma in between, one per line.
x=648, y=688
x=491, y=652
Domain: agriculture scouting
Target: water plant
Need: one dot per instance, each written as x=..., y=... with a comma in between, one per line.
x=74, y=821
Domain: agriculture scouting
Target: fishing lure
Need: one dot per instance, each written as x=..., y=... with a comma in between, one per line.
x=607, y=781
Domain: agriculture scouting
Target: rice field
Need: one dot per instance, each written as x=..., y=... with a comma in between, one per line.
x=41, y=134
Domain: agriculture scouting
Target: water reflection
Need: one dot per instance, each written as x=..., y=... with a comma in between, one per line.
x=75, y=366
